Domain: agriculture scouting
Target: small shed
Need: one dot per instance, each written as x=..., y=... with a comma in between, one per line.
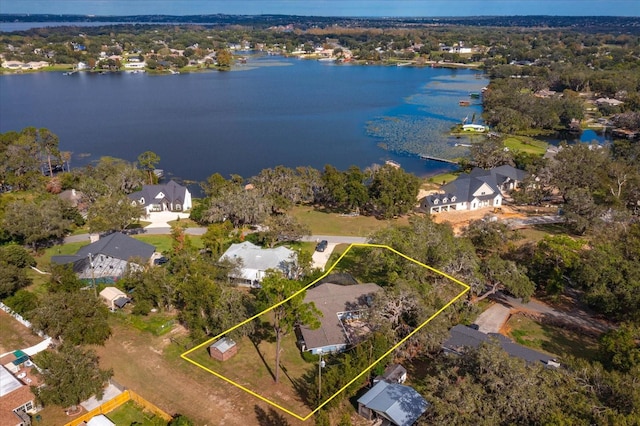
x=114, y=297
x=223, y=349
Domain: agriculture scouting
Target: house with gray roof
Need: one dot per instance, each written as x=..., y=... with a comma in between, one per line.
x=462, y=337
x=107, y=259
x=166, y=197
x=392, y=403
x=254, y=261
x=341, y=307
x=475, y=190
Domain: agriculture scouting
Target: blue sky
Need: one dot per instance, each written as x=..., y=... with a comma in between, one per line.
x=427, y=8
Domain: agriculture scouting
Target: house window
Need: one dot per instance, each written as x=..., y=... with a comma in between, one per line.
x=482, y=193
x=445, y=200
x=453, y=199
x=141, y=200
x=28, y=406
x=435, y=201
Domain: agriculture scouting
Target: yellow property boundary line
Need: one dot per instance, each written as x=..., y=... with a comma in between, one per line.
x=465, y=287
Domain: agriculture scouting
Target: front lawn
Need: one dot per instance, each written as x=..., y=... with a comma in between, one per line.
x=525, y=144
x=322, y=222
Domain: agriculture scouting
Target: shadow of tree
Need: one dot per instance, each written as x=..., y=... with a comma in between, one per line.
x=270, y=417
x=263, y=332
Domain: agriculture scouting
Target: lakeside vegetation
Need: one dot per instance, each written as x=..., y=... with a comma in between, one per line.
x=591, y=258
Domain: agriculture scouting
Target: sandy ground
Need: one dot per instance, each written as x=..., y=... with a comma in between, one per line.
x=460, y=219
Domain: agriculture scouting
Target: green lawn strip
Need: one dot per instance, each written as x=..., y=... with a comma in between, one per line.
x=554, y=340
x=131, y=413
x=443, y=178
x=331, y=223
x=157, y=323
x=163, y=243
x=526, y=144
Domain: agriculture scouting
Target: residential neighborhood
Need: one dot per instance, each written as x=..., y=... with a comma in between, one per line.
x=472, y=257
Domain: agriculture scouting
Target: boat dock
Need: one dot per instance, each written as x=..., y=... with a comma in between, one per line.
x=442, y=160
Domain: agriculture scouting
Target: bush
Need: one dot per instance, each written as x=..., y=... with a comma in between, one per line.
x=142, y=307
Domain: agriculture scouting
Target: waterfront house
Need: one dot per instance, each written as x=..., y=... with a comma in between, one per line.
x=342, y=307
x=478, y=189
x=166, y=197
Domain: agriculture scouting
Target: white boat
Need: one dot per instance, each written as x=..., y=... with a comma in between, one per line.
x=478, y=128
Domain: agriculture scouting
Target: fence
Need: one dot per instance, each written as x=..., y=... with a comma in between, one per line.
x=112, y=404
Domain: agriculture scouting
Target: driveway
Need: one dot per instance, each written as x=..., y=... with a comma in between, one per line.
x=572, y=316
x=320, y=258
x=492, y=320
x=161, y=219
x=535, y=220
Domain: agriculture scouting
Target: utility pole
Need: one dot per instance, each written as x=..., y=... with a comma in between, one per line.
x=93, y=277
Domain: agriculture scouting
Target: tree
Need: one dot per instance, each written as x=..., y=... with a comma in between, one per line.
x=224, y=58
x=393, y=191
x=148, y=161
x=487, y=236
x=22, y=302
x=619, y=348
x=12, y=279
x=114, y=212
x=73, y=317
x=284, y=227
x=17, y=256
x=490, y=153
x=287, y=311
x=70, y=376
x=504, y=274
x=34, y=223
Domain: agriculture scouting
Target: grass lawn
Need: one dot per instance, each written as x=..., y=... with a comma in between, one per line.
x=443, y=177
x=551, y=339
x=131, y=413
x=254, y=367
x=525, y=144
x=157, y=323
x=328, y=223
x=163, y=243
x=14, y=336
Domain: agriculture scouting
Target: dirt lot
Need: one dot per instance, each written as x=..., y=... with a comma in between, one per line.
x=151, y=366
x=460, y=219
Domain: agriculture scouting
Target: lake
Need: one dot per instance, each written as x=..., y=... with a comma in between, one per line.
x=271, y=111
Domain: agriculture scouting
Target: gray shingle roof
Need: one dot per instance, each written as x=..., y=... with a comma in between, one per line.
x=401, y=404
x=119, y=246
x=330, y=299
x=466, y=185
x=173, y=193
x=461, y=336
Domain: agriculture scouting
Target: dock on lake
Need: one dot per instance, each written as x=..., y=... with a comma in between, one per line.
x=442, y=160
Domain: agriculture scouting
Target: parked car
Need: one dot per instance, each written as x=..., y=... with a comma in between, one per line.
x=322, y=245
x=160, y=260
